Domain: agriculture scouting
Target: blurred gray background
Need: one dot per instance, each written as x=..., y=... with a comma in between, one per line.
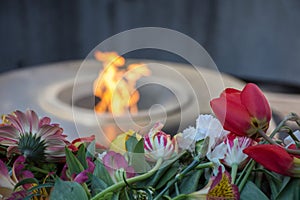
x=254, y=40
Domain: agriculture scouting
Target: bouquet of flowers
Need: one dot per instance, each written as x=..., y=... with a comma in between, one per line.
x=225, y=156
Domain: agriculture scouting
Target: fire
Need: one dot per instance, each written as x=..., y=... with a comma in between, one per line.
x=116, y=84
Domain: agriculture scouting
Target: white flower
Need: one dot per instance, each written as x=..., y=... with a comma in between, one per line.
x=289, y=140
x=235, y=147
x=186, y=140
x=209, y=126
x=206, y=126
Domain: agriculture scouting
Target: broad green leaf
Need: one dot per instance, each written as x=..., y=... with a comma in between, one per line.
x=131, y=142
x=101, y=172
x=91, y=149
x=74, y=165
x=138, y=161
x=139, y=147
x=97, y=185
x=81, y=156
x=290, y=191
x=66, y=190
x=189, y=183
x=252, y=192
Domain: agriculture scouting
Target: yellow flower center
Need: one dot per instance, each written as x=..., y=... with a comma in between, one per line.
x=223, y=190
x=256, y=125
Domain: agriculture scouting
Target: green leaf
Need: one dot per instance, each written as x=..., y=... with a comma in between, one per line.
x=124, y=195
x=168, y=175
x=252, y=192
x=273, y=186
x=66, y=190
x=81, y=156
x=26, y=181
x=139, y=147
x=97, y=185
x=189, y=183
x=91, y=150
x=137, y=158
x=270, y=174
x=44, y=185
x=131, y=142
x=290, y=190
x=101, y=172
x=156, y=177
x=74, y=165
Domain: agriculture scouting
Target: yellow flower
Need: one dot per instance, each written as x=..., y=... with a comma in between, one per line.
x=118, y=145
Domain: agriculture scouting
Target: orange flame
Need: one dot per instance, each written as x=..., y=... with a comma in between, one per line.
x=115, y=85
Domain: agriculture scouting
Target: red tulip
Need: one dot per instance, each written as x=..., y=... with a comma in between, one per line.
x=243, y=112
x=274, y=158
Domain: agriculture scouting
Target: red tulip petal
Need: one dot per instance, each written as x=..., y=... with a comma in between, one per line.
x=272, y=157
x=231, y=113
x=293, y=146
x=231, y=91
x=255, y=101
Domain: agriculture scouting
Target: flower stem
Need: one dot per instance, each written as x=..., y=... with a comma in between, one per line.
x=193, y=165
x=234, y=169
x=291, y=116
x=39, y=170
x=205, y=165
x=268, y=139
x=180, y=197
x=86, y=189
x=291, y=133
x=121, y=184
x=178, y=177
x=245, y=177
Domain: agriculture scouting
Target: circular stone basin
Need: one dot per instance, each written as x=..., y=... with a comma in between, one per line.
x=161, y=99
x=50, y=94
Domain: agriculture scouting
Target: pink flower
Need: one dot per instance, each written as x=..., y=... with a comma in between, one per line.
x=81, y=177
x=36, y=139
x=158, y=144
x=7, y=182
x=116, y=164
x=243, y=112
